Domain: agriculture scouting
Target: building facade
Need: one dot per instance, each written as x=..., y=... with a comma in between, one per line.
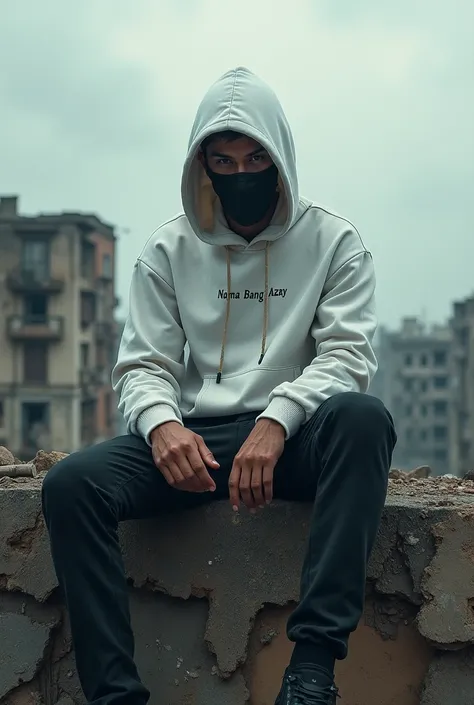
x=57, y=330
x=462, y=419
x=416, y=383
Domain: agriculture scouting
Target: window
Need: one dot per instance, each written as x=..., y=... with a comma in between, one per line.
x=2, y=413
x=423, y=360
x=409, y=409
x=423, y=410
x=35, y=258
x=84, y=356
x=440, y=433
x=35, y=421
x=107, y=265
x=440, y=408
x=88, y=421
x=440, y=358
x=408, y=384
x=441, y=455
x=423, y=434
x=87, y=260
x=36, y=308
x=408, y=360
x=424, y=386
x=35, y=363
x=440, y=382
x=88, y=308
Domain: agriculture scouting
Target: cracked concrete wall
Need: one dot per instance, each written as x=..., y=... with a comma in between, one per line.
x=210, y=594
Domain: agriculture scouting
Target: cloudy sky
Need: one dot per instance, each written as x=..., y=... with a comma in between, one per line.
x=97, y=98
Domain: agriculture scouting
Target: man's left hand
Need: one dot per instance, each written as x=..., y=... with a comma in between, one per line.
x=251, y=478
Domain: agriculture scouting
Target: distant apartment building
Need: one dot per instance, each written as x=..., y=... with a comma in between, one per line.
x=415, y=380
x=57, y=330
x=462, y=324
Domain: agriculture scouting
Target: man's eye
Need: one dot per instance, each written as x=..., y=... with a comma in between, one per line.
x=258, y=157
x=223, y=161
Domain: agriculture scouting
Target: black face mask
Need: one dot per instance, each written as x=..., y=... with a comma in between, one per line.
x=245, y=197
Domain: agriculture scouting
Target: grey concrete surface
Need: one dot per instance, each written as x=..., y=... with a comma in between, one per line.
x=200, y=580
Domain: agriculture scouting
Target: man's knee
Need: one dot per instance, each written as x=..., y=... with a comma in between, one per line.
x=63, y=485
x=360, y=413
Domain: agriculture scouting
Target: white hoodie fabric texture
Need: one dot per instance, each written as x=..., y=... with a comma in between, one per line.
x=204, y=300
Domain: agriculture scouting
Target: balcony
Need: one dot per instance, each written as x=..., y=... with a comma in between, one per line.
x=25, y=281
x=44, y=328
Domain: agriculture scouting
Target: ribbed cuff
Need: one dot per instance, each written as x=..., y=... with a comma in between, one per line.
x=286, y=412
x=153, y=417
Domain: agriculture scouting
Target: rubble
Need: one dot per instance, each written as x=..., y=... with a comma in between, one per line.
x=43, y=460
x=420, y=472
x=6, y=458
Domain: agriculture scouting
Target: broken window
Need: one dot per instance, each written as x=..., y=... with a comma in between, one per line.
x=88, y=308
x=35, y=425
x=36, y=308
x=87, y=260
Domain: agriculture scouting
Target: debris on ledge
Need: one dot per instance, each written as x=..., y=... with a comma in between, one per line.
x=14, y=471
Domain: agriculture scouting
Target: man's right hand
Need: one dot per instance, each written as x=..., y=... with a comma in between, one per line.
x=182, y=456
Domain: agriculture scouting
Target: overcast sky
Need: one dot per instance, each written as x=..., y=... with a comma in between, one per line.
x=97, y=98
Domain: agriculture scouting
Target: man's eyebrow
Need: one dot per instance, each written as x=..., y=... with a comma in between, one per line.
x=256, y=151
x=221, y=155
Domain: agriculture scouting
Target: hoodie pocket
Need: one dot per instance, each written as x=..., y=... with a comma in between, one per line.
x=206, y=383
x=240, y=392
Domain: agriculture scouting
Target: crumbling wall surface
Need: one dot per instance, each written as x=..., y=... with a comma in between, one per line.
x=211, y=591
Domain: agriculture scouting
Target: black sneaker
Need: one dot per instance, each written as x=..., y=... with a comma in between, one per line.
x=306, y=684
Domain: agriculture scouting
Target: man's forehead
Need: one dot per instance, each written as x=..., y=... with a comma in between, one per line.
x=215, y=142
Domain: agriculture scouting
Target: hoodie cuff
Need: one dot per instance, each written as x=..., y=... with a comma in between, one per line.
x=287, y=413
x=153, y=417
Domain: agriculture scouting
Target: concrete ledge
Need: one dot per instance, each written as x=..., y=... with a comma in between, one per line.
x=210, y=593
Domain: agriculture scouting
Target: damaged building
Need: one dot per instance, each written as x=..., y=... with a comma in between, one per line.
x=58, y=335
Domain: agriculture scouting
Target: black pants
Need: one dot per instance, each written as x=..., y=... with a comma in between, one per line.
x=340, y=459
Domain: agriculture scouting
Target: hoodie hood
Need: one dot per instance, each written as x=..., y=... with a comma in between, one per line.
x=242, y=102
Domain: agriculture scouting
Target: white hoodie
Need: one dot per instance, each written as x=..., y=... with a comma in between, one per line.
x=302, y=293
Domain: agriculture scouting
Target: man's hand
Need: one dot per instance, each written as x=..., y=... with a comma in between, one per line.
x=182, y=456
x=251, y=477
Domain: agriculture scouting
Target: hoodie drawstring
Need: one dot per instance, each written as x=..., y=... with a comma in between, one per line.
x=227, y=311
x=265, y=304
x=227, y=316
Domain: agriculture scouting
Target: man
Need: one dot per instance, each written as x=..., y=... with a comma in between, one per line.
x=241, y=374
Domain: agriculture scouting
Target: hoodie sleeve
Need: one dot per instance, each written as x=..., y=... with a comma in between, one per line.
x=343, y=331
x=150, y=366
